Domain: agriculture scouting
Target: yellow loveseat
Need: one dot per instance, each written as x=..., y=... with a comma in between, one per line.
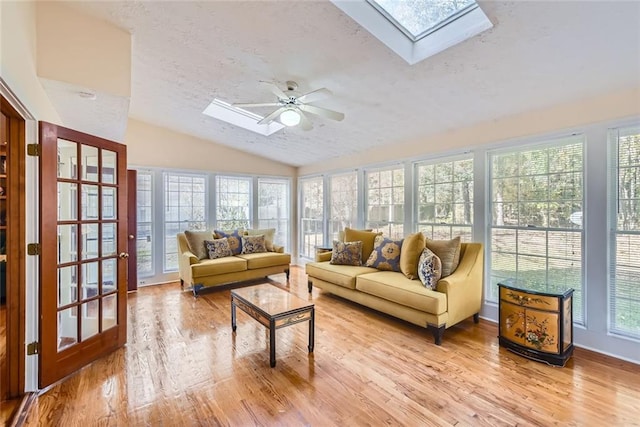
x=200, y=273
x=456, y=297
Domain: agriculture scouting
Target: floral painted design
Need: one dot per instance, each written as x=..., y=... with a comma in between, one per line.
x=522, y=300
x=385, y=254
x=536, y=332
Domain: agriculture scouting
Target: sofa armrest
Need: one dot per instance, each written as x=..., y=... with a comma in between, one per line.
x=323, y=256
x=464, y=286
x=185, y=261
x=278, y=249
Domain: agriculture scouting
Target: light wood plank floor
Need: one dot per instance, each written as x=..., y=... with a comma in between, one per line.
x=183, y=366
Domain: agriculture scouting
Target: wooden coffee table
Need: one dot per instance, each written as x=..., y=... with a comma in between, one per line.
x=274, y=308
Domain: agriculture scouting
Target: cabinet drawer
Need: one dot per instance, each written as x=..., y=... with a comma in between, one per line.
x=526, y=299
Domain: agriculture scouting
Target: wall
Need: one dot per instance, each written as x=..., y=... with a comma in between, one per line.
x=18, y=58
x=153, y=146
x=610, y=106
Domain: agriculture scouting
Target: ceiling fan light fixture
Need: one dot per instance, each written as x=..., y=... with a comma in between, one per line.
x=290, y=117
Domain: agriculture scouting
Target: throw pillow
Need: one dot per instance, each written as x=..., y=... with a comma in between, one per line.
x=346, y=253
x=385, y=254
x=448, y=251
x=429, y=269
x=366, y=237
x=234, y=237
x=218, y=248
x=268, y=233
x=410, y=252
x=195, y=240
x=341, y=233
x=253, y=244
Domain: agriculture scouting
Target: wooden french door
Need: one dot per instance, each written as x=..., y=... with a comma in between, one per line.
x=83, y=254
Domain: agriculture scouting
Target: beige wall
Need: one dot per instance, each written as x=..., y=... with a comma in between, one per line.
x=17, y=58
x=607, y=107
x=153, y=146
x=99, y=59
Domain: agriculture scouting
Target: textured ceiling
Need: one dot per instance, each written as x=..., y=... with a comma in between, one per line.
x=538, y=54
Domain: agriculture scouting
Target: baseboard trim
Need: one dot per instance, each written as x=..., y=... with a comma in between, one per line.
x=23, y=409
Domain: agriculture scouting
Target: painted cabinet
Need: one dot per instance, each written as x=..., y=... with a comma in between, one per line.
x=534, y=324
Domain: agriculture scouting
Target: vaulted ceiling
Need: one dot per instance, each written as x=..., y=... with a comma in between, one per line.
x=538, y=54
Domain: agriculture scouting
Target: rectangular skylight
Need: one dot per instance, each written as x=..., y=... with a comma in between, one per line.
x=417, y=18
x=224, y=111
x=417, y=29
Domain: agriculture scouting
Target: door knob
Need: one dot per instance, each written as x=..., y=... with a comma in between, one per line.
x=131, y=237
x=123, y=255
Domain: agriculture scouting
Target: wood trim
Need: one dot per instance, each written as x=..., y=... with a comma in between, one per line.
x=15, y=248
x=132, y=197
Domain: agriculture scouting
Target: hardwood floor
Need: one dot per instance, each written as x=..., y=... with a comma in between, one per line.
x=8, y=406
x=184, y=366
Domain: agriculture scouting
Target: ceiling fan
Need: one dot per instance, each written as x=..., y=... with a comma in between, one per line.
x=292, y=106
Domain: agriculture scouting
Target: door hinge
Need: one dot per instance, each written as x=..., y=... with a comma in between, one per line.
x=33, y=348
x=33, y=149
x=33, y=249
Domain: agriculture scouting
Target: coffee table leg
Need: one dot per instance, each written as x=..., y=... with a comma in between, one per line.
x=311, y=329
x=233, y=315
x=272, y=343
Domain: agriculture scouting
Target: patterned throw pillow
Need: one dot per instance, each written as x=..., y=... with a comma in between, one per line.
x=429, y=269
x=253, y=244
x=366, y=237
x=269, y=236
x=385, y=254
x=218, y=248
x=346, y=253
x=234, y=237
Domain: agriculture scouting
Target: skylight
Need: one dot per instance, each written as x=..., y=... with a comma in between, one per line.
x=418, y=29
x=222, y=110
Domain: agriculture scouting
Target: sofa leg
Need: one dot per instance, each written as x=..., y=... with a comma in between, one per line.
x=196, y=288
x=476, y=318
x=181, y=284
x=310, y=286
x=437, y=332
x=287, y=273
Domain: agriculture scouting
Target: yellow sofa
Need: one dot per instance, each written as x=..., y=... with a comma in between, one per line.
x=199, y=274
x=457, y=296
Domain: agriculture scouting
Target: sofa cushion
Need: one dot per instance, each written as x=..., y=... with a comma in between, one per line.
x=268, y=233
x=396, y=287
x=234, y=237
x=412, y=247
x=265, y=259
x=429, y=269
x=346, y=253
x=366, y=237
x=218, y=248
x=342, y=275
x=385, y=254
x=212, y=267
x=195, y=240
x=448, y=251
x=253, y=244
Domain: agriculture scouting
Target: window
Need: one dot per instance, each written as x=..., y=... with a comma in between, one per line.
x=184, y=207
x=144, y=242
x=536, y=218
x=311, y=216
x=273, y=207
x=624, y=290
x=343, y=203
x=385, y=202
x=233, y=203
x=444, y=199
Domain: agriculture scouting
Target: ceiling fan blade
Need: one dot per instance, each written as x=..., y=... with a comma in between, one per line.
x=271, y=116
x=315, y=95
x=324, y=112
x=305, y=123
x=276, y=90
x=264, y=104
